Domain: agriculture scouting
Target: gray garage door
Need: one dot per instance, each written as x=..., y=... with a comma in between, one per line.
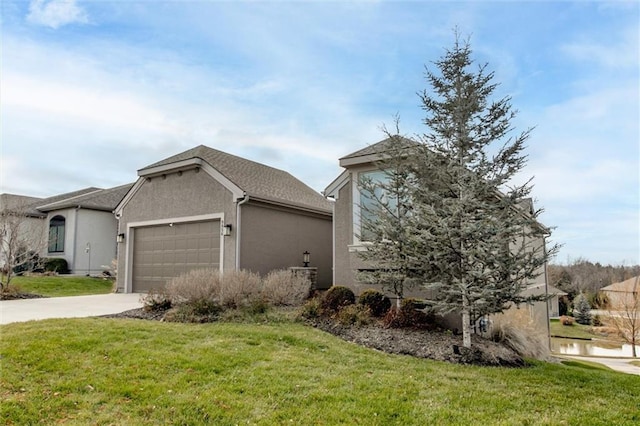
x=163, y=252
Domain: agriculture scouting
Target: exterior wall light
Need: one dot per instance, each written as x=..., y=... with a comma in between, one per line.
x=226, y=230
x=120, y=238
x=305, y=259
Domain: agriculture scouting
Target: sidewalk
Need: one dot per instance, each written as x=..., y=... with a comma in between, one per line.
x=67, y=307
x=618, y=364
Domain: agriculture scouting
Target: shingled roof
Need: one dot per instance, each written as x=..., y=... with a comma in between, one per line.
x=257, y=180
x=90, y=198
x=374, y=151
x=19, y=203
x=628, y=286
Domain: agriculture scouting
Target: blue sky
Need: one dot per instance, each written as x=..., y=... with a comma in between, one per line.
x=92, y=91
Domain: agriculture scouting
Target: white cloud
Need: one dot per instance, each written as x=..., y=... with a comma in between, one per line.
x=56, y=13
x=621, y=52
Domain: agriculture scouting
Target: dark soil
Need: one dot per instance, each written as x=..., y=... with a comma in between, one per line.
x=436, y=345
x=16, y=296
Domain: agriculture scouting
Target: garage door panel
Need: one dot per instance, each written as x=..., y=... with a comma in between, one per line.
x=162, y=252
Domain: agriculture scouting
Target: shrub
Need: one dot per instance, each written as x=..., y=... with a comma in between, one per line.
x=283, y=288
x=597, y=322
x=311, y=309
x=198, y=311
x=408, y=316
x=354, y=315
x=194, y=286
x=601, y=300
x=565, y=320
x=239, y=289
x=582, y=310
x=256, y=312
x=516, y=330
x=27, y=261
x=155, y=301
x=56, y=264
x=336, y=298
x=377, y=303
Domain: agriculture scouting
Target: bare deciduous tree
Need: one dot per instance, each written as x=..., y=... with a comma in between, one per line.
x=22, y=239
x=624, y=315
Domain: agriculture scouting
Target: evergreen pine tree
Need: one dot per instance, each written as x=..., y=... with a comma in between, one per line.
x=458, y=225
x=582, y=310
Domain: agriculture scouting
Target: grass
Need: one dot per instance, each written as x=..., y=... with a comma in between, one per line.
x=62, y=285
x=586, y=364
x=117, y=371
x=575, y=331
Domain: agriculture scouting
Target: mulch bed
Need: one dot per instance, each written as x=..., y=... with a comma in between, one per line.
x=435, y=345
x=18, y=296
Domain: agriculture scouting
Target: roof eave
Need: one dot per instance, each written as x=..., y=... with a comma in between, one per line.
x=291, y=205
x=188, y=164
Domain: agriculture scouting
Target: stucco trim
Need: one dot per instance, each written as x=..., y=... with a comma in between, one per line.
x=130, y=238
x=363, y=159
x=159, y=170
x=334, y=187
x=129, y=195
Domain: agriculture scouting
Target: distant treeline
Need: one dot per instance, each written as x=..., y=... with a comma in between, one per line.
x=587, y=277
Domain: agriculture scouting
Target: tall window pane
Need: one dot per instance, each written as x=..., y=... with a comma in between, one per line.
x=56, y=234
x=371, y=198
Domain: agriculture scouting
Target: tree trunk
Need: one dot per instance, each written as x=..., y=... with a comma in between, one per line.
x=466, y=323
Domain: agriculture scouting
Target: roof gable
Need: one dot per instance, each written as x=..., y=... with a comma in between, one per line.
x=626, y=286
x=254, y=179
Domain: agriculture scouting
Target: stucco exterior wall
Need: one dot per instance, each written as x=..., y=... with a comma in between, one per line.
x=275, y=238
x=69, y=252
x=30, y=231
x=343, y=223
x=99, y=229
x=174, y=196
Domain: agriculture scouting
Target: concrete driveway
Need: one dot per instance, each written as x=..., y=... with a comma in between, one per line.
x=67, y=307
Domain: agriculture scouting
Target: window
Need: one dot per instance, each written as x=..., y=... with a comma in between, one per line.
x=369, y=201
x=56, y=234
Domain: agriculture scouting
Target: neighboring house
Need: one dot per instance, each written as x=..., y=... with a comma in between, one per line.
x=346, y=192
x=77, y=226
x=21, y=226
x=205, y=208
x=554, y=300
x=623, y=293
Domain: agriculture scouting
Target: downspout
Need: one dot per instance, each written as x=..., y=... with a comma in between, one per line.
x=546, y=292
x=333, y=240
x=75, y=240
x=239, y=228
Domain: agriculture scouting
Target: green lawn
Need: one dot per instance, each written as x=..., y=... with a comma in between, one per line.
x=575, y=331
x=62, y=285
x=125, y=372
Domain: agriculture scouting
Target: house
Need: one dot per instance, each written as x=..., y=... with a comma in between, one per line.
x=346, y=193
x=623, y=294
x=77, y=226
x=204, y=208
x=554, y=300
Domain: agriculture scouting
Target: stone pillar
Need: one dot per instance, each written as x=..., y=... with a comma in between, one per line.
x=310, y=273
